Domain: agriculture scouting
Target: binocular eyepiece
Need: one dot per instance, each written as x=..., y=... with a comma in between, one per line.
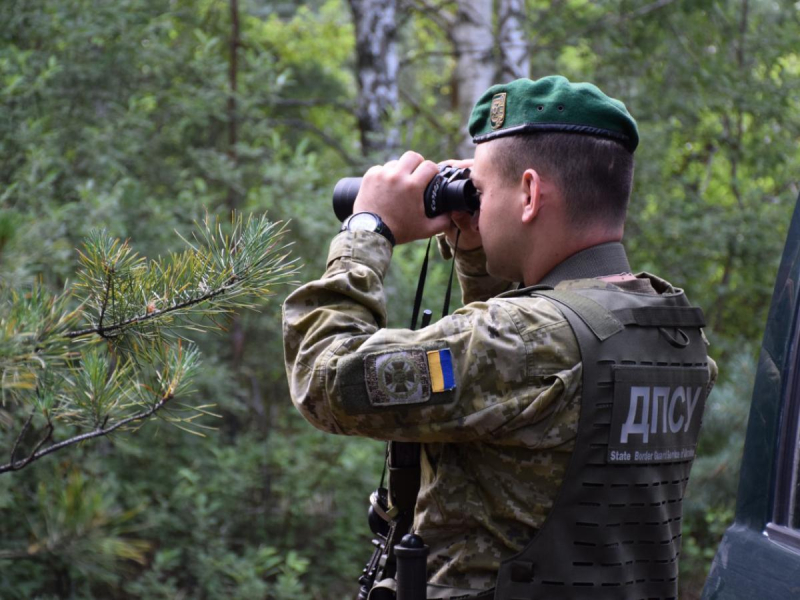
x=451, y=189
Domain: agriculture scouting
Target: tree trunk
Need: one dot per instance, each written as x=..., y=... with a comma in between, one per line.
x=376, y=69
x=237, y=333
x=233, y=76
x=473, y=38
x=512, y=40
x=487, y=52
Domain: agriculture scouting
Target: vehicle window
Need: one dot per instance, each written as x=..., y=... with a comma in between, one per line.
x=787, y=496
x=793, y=519
x=785, y=525
x=794, y=516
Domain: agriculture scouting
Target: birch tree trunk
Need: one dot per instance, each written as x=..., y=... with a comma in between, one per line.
x=488, y=51
x=513, y=54
x=473, y=38
x=376, y=69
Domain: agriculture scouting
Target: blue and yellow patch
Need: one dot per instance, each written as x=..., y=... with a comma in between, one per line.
x=440, y=365
x=396, y=380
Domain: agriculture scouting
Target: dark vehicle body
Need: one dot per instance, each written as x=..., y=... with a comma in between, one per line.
x=759, y=557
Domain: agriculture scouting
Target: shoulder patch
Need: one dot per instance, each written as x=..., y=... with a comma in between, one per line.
x=394, y=378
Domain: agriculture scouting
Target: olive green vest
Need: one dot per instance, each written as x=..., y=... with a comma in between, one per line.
x=614, y=530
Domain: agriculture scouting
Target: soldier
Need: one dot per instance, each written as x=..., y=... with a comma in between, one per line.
x=558, y=419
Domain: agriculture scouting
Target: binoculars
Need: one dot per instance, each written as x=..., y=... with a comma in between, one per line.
x=449, y=190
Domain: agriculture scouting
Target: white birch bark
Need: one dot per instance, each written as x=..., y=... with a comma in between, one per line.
x=473, y=38
x=488, y=51
x=376, y=70
x=512, y=40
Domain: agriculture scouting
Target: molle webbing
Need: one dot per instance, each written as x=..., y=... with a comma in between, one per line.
x=614, y=531
x=605, y=323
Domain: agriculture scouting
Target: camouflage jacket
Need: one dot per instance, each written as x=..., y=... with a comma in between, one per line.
x=496, y=434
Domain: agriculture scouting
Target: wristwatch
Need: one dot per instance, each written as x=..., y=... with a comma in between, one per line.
x=367, y=221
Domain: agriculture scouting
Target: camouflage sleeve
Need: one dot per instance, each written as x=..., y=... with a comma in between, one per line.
x=483, y=372
x=476, y=283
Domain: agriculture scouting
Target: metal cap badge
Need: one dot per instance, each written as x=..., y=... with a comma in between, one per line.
x=498, y=111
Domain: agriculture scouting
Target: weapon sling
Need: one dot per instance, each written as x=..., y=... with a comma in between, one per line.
x=403, y=458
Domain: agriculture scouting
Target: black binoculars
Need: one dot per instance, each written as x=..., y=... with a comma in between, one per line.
x=449, y=190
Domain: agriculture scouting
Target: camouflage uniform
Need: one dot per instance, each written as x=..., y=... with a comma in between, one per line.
x=495, y=448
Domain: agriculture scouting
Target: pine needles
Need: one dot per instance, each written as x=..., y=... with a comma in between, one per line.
x=122, y=356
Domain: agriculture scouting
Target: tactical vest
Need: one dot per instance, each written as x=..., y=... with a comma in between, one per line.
x=614, y=530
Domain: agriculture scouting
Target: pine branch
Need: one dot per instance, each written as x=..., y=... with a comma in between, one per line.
x=215, y=270
x=49, y=363
x=21, y=435
x=104, y=331
x=109, y=290
x=36, y=454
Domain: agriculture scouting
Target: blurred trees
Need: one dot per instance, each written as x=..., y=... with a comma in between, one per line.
x=119, y=115
x=116, y=115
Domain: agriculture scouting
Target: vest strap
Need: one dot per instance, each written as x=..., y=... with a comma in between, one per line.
x=601, y=321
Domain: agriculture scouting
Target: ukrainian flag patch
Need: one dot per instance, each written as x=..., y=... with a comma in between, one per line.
x=440, y=365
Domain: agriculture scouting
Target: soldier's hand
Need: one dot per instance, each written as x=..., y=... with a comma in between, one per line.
x=394, y=192
x=470, y=237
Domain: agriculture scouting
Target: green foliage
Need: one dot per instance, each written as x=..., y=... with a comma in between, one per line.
x=75, y=530
x=118, y=115
x=33, y=324
x=129, y=303
x=218, y=273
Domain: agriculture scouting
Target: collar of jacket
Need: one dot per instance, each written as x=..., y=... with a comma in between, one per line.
x=598, y=261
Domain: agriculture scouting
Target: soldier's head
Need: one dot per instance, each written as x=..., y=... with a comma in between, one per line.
x=554, y=164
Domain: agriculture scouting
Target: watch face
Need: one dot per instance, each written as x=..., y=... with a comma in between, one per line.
x=363, y=222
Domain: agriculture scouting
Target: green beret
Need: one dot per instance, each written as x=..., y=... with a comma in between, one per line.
x=551, y=104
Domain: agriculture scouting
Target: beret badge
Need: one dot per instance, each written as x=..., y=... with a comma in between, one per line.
x=498, y=111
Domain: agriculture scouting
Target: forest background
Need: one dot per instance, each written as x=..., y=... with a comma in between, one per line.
x=138, y=116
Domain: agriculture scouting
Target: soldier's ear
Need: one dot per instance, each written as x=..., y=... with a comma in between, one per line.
x=530, y=195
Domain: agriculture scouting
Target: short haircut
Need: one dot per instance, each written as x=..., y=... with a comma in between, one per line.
x=594, y=174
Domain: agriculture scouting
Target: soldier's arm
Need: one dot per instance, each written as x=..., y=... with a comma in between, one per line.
x=476, y=283
x=349, y=375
